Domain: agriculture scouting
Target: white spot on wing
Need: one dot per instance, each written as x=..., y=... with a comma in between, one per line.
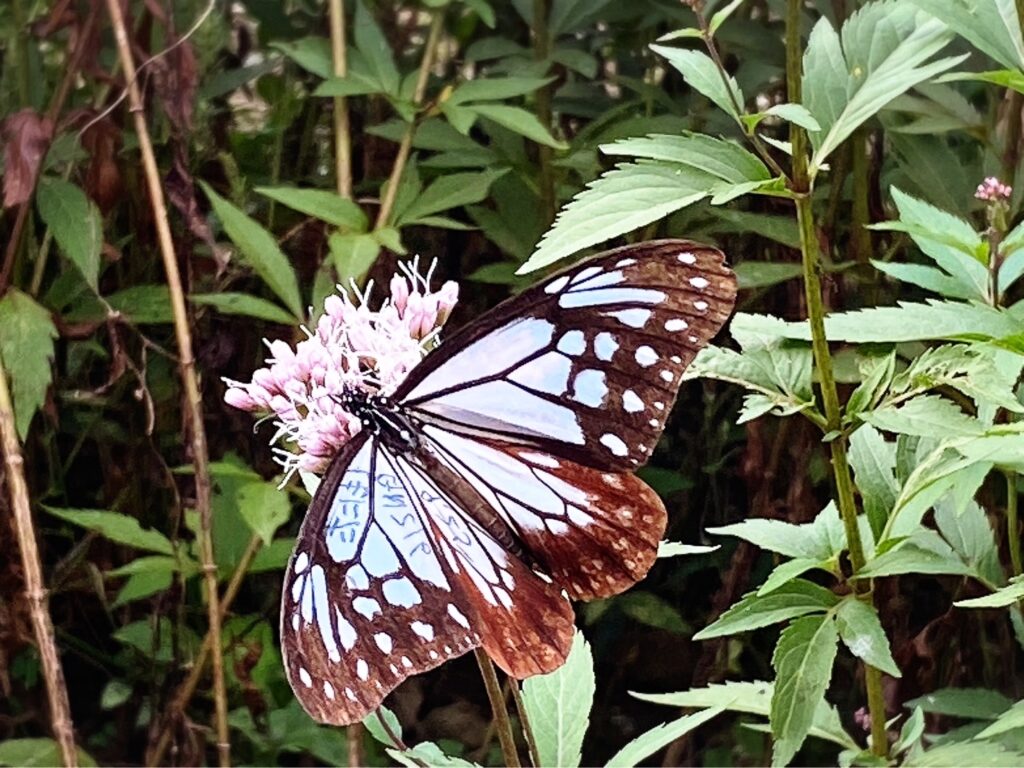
x=305, y=678
x=459, y=617
x=426, y=631
x=687, y=257
x=676, y=324
x=634, y=318
x=384, y=641
x=328, y=690
x=572, y=343
x=701, y=305
x=557, y=527
x=631, y=402
x=356, y=578
x=605, y=346
x=645, y=356
x=598, y=296
x=401, y=592
x=700, y=283
x=301, y=561
x=667, y=375
x=625, y=263
x=362, y=669
x=346, y=632
x=557, y=284
x=589, y=388
x=366, y=606
x=548, y=373
x=585, y=273
x=614, y=444
x=321, y=605
x=542, y=459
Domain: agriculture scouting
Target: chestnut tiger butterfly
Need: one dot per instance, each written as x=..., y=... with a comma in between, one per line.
x=496, y=484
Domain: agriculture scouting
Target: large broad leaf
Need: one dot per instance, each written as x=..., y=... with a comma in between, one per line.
x=647, y=744
x=883, y=51
x=992, y=26
x=925, y=416
x=630, y=196
x=259, y=249
x=75, y=223
x=558, y=706
x=26, y=350
x=116, y=527
x=861, y=631
x=794, y=599
x=725, y=159
x=803, y=667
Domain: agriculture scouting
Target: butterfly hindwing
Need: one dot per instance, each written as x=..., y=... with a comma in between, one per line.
x=587, y=363
x=389, y=578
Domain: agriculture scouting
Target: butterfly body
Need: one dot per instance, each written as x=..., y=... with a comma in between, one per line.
x=496, y=482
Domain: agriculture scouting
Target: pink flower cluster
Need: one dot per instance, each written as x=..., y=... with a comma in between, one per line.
x=353, y=347
x=993, y=190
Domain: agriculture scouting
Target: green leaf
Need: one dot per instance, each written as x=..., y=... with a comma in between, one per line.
x=970, y=703
x=375, y=49
x=558, y=706
x=259, y=250
x=652, y=610
x=788, y=570
x=372, y=723
x=428, y=753
x=991, y=26
x=794, y=599
x=885, y=47
x=24, y=753
x=796, y=114
x=321, y=204
x=967, y=529
x=803, y=667
x=817, y=540
x=352, y=84
x=264, y=508
x=725, y=159
x=75, y=223
x=311, y=53
x=929, y=278
x=874, y=464
x=977, y=754
x=621, y=200
x=925, y=416
x=230, y=303
x=753, y=698
x=496, y=88
x=702, y=75
x=26, y=349
x=924, y=552
x=451, y=191
x=519, y=121
x=861, y=632
x=1009, y=595
x=143, y=304
x=648, y=743
x=142, y=585
x=1010, y=720
x=353, y=255
x=762, y=274
x=119, y=528
x=780, y=229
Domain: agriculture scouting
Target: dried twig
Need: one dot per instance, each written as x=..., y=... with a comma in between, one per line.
x=193, y=398
x=56, y=689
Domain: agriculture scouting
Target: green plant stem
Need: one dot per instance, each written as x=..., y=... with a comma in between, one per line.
x=190, y=380
x=342, y=131
x=811, y=259
x=501, y=719
x=524, y=719
x=188, y=688
x=387, y=203
x=1013, y=523
x=541, y=52
x=860, y=235
x=35, y=593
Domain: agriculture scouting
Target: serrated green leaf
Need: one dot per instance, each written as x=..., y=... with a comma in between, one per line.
x=372, y=723
x=1009, y=595
x=558, y=706
x=648, y=743
x=762, y=274
x=725, y=159
x=874, y=464
x=794, y=599
x=1010, y=720
x=26, y=349
x=861, y=631
x=496, y=88
x=753, y=698
x=230, y=303
x=702, y=75
x=925, y=416
x=815, y=540
x=621, y=200
x=259, y=250
x=788, y=570
x=924, y=552
x=796, y=114
x=970, y=703
x=428, y=753
x=322, y=204
x=977, y=754
x=991, y=26
x=929, y=278
x=119, y=528
x=143, y=304
x=968, y=531
x=311, y=53
x=803, y=667
x=75, y=223
x=142, y=585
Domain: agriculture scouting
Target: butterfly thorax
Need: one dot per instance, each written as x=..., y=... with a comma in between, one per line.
x=383, y=417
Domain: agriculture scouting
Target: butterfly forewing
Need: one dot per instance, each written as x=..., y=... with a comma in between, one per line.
x=586, y=364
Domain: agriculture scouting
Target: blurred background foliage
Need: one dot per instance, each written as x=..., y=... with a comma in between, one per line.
x=470, y=123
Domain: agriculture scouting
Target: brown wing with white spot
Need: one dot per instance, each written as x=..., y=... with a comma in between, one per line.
x=389, y=578
x=586, y=364
x=595, y=532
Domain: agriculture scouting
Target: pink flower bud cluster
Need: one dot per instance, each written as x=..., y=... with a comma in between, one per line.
x=353, y=347
x=993, y=190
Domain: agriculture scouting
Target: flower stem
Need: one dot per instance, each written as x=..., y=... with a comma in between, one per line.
x=342, y=133
x=531, y=741
x=35, y=594
x=811, y=258
x=190, y=381
x=387, y=203
x=501, y=718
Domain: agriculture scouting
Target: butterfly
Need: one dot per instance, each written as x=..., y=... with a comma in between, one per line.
x=495, y=485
